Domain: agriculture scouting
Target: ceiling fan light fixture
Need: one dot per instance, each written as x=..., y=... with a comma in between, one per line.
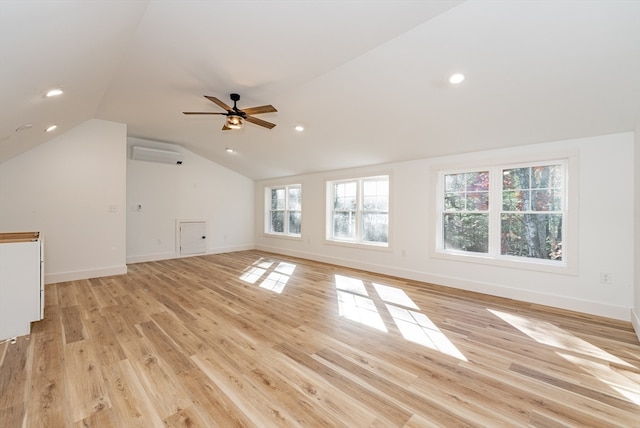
x=234, y=122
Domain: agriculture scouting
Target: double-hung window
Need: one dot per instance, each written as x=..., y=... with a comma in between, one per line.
x=358, y=210
x=532, y=213
x=505, y=212
x=465, y=218
x=284, y=210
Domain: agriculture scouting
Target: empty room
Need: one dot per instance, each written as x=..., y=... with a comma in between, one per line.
x=312, y=213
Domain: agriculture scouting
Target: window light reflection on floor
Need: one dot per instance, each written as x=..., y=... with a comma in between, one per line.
x=360, y=309
x=417, y=327
x=588, y=357
x=351, y=285
x=616, y=381
x=254, y=272
x=355, y=304
x=277, y=278
x=549, y=334
x=394, y=295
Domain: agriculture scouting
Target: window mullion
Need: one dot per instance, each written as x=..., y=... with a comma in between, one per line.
x=285, y=215
x=495, y=210
x=359, y=207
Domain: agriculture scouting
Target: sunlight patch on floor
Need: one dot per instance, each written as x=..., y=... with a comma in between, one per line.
x=360, y=309
x=549, y=334
x=277, y=278
x=355, y=304
x=596, y=363
x=622, y=384
x=351, y=285
x=417, y=327
x=394, y=295
x=254, y=272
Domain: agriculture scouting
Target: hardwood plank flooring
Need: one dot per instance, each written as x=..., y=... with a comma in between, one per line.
x=253, y=339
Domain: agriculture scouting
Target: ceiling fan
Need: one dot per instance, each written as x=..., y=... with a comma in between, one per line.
x=235, y=116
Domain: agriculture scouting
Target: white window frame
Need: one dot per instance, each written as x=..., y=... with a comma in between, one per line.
x=267, y=215
x=358, y=241
x=568, y=264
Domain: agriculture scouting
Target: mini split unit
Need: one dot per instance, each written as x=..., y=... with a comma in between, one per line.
x=156, y=155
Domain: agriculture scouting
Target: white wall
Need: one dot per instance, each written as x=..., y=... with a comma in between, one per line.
x=72, y=189
x=604, y=237
x=635, y=315
x=197, y=189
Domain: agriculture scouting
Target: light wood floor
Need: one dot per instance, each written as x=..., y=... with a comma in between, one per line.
x=253, y=339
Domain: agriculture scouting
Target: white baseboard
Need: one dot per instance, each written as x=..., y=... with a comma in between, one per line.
x=167, y=256
x=635, y=321
x=151, y=257
x=562, y=302
x=231, y=249
x=53, y=278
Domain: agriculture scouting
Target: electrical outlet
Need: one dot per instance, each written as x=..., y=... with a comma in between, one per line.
x=605, y=278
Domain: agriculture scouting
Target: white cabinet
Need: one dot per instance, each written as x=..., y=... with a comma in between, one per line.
x=21, y=282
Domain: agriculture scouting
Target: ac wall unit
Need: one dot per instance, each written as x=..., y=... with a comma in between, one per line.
x=156, y=155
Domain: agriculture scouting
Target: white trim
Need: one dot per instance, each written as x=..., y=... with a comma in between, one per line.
x=179, y=221
x=267, y=211
x=282, y=236
x=569, y=264
x=386, y=247
x=151, y=257
x=231, y=249
x=635, y=322
x=329, y=196
x=168, y=256
x=53, y=278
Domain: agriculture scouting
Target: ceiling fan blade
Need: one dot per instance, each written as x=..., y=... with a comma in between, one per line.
x=261, y=109
x=218, y=102
x=260, y=122
x=201, y=112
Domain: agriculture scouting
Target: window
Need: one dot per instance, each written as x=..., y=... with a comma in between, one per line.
x=505, y=212
x=466, y=211
x=284, y=210
x=532, y=212
x=358, y=210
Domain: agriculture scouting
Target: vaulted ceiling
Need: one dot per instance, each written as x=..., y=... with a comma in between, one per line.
x=367, y=79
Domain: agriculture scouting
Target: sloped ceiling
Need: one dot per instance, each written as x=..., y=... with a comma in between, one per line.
x=367, y=79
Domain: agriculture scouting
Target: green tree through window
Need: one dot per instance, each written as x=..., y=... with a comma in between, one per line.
x=531, y=218
x=505, y=211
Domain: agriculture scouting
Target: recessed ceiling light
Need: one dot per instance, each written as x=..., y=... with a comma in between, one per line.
x=299, y=128
x=24, y=127
x=51, y=128
x=456, y=78
x=54, y=92
x=229, y=150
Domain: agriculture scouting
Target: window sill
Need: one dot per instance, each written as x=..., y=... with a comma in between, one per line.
x=561, y=268
x=282, y=236
x=359, y=245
